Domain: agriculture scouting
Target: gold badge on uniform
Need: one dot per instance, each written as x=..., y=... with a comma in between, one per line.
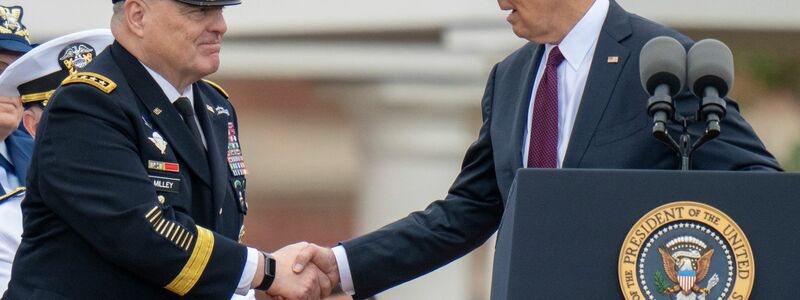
x=159, y=142
x=686, y=250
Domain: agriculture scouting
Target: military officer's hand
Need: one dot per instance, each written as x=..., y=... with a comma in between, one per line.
x=308, y=284
x=320, y=257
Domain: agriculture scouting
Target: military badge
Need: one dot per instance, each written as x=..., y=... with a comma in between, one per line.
x=222, y=111
x=686, y=251
x=163, y=166
x=76, y=56
x=159, y=142
x=210, y=109
x=10, y=22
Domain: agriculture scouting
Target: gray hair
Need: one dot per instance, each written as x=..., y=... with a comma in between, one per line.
x=119, y=13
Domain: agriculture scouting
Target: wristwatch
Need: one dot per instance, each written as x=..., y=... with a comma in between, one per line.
x=269, y=272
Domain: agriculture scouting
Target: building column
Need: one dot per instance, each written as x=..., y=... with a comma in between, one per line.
x=412, y=146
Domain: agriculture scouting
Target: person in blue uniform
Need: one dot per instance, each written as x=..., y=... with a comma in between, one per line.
x=31, y=79
x=138, y=183
x=15, y=144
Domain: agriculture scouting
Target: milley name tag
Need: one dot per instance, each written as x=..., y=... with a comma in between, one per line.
x=166, y=184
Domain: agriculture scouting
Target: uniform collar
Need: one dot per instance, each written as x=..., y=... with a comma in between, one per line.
x=170, y=90
x=4, y=150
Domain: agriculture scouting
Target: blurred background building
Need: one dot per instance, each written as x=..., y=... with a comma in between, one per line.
x=354, y=113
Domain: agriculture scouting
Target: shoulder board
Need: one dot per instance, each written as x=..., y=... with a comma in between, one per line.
x=96, y=80
x=11, y=194
x=216, y=86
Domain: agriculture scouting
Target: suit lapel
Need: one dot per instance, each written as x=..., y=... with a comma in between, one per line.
x=211, y=129
x=600, y=84
x=523, y=103
x=162, y=112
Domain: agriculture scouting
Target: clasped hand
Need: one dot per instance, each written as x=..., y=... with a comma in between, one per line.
x=304, y=271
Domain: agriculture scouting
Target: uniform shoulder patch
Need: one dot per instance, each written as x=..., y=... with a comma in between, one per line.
x=217, y=87
x=96, y=80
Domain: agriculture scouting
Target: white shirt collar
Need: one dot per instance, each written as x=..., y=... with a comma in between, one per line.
x=4, y=150
x=584, y=35
x=170, y=90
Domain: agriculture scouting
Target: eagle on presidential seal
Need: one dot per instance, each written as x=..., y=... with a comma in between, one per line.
x=686, y=262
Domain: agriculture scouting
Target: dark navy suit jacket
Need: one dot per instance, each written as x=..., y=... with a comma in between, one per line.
x=122, y=203
x=612, y=130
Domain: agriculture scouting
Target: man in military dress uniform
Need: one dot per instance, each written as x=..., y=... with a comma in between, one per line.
x=137, y=186
x=15, y=144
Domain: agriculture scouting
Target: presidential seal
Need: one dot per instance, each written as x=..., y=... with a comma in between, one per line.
x=686, y=251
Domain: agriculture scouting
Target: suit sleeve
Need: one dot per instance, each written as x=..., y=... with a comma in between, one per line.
x=446, y=230
x=737, y=148
x=97, y=183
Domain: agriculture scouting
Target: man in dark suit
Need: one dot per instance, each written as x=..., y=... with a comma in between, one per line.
x=572, y=101
x=15, y=144
x=137, y=182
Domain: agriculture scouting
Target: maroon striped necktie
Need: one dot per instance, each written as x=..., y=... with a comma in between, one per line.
x=543, y=151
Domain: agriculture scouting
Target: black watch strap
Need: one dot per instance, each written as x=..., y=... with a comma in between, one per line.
x=269, y=272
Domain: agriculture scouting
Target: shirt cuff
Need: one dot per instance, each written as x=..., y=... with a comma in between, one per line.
x=345, y=278
x=249, y=271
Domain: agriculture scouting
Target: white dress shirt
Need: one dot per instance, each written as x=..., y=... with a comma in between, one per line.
x=578, y=49
x=10, y=222
x=243, y=290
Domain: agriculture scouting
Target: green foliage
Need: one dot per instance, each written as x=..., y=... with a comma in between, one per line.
x=661, y=284
x=774, y=71
x=794, y=161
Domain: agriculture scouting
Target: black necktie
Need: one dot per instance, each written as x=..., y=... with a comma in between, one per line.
x=184, y=107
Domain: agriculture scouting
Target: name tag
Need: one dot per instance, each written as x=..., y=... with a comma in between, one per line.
x=166, y=184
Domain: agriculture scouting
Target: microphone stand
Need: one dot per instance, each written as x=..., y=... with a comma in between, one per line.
x=684, y=147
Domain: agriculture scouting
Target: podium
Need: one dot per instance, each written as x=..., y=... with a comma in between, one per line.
x=563, y=231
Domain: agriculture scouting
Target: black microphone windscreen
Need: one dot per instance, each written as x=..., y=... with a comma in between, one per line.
x=710, y=63
x=663, y=61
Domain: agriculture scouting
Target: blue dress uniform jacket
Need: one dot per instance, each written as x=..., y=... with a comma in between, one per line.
x=19, y=145
x=121, y=202
x=612, y=130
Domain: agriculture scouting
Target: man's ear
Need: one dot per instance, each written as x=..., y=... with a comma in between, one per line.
x=30, y=121
x=135, y=11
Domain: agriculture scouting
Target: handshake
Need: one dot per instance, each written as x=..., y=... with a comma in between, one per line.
x=303, y=271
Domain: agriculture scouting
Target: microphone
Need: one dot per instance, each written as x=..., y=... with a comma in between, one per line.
x=662, y=70
x=711, y=78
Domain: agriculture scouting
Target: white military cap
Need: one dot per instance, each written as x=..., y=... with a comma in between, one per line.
x=36, y=75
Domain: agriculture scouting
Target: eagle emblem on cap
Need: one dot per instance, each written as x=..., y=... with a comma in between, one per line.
x=10, y=18
x=76, y=57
